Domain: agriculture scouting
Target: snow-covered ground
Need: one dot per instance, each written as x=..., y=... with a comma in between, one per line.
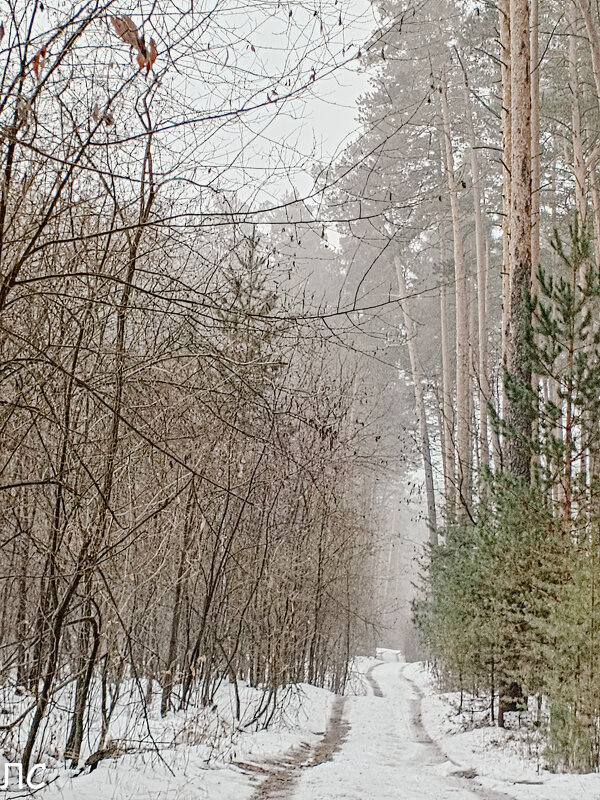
x=409, y=743
x=394, y=736
x=507, y=761
x=193, y=755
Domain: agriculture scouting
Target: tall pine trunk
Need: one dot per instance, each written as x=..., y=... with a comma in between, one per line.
x=517, y=447
x=447, y=409
x=505, y=70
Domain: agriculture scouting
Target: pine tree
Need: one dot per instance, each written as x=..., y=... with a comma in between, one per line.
x=511, y=598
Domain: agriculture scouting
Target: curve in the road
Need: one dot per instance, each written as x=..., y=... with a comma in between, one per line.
x=372, y=682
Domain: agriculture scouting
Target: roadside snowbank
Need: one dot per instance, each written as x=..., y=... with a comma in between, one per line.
x=509, y=761
x=225, y=766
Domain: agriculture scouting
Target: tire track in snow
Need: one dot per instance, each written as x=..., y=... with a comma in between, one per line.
x=282, y=774
x=463, y=776
x=372, y=682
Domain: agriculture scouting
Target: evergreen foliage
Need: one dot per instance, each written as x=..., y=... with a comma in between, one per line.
x=510, y=596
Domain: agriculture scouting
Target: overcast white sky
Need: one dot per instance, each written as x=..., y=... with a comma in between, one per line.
x=329, y=114
x=314, y=128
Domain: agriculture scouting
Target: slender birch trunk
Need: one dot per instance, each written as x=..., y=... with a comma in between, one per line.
x=480, y=285
x=447, y=409
x=463, y=443
x=417, y=378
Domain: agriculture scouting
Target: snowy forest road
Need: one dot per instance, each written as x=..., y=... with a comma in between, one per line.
x=386, y=754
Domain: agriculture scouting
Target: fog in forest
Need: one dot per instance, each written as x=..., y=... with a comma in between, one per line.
x=300, y=399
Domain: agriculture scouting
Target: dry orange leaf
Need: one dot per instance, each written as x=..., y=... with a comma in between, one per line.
x=126, y=30
x=39, y=61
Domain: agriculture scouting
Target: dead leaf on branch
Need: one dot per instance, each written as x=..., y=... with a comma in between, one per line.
x=126, y=29
x=105, y=117
x=152, y=53
x=39, y=61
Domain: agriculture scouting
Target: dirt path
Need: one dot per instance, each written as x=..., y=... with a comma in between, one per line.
x=281, y=775
x=375, y=748
x=386, y=753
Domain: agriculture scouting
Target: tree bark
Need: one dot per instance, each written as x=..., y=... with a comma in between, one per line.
x=535, y=162
x=535, y=140
x=447, y=410
x=417, y=377
x=463, y=443
x=517, y=446
x=167, y=686
x=75, y=738
x=483, y=385
x=504, y=25
x=591, y=26
x=579, y=166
